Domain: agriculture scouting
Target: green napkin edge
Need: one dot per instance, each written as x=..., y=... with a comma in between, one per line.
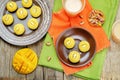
x=51, y=53
x=58, y=67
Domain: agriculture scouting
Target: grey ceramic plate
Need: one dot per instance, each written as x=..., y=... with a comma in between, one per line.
x=30, y=36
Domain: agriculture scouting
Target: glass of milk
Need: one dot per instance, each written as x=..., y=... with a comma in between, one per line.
x=73, y=7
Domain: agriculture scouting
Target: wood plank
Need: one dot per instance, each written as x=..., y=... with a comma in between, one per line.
x=13, y=73
x=49, y=74
x=37, y=48
x=11, y=79
x=112, y=64
x=59, y=75
x=67, y=77
x=4, y=59
x=51, y=2
x=39, y=73
x=118, y=13
x=70, y=77
x=111, y=69
x=7, y=52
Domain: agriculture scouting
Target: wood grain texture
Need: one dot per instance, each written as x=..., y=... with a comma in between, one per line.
x=111, y=70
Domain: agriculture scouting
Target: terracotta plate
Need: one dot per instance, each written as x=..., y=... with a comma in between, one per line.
x=78, y=34
x=30, y=36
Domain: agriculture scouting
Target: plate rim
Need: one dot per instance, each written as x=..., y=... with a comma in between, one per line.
x=29, y=40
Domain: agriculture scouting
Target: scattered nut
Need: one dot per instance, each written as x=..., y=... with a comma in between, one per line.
x=48, y=43
x=82, y=22
x=49, y=58
x=96, y=18
x=81, y=16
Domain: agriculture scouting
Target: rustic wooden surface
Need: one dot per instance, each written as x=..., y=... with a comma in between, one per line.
x=111, y=70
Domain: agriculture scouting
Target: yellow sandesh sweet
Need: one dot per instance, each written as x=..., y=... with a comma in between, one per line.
x=74, y=56
x=19, y=29
x=84, y=46
x=21, y=13
x=25, y=61
x=7, y=19
x=27, y=3
x=11, y=6
x=35, y=11
x=32, y=23
x=69, y=42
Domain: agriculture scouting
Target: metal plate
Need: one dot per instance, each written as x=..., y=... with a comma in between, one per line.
x=30, y=36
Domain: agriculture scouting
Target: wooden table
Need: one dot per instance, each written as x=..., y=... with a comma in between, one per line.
x=111, y=69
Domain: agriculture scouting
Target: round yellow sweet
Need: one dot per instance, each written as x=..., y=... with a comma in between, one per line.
x=22, y=13
x=11, y=6
x=32, y=23
x=74, y=56
x=19, y=29
x=25, y=61
x=27, y=3
x=84, y=46
x=35, y=11
x=69, y=42
x=7, y=19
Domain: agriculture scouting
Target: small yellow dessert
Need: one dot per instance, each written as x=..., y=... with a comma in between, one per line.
x=69, y=42
x=7, y=19
x=74, y=56
x=11, y=6
x=84, y=46
x=22, y=13
x=27, y=3
x=35, y=11
x=25, y=61
x=19, y=29
x=32, y=23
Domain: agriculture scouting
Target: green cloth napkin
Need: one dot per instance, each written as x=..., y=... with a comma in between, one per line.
x=109, y=7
